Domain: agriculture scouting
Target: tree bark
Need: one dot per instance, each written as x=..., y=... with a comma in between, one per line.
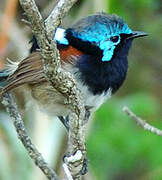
x=60, y=80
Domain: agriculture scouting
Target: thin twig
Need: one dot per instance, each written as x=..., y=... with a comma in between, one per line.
x=11, y=107
x=57, y=14
x=142, y=122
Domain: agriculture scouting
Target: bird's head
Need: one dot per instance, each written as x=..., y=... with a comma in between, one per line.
x=99, y=34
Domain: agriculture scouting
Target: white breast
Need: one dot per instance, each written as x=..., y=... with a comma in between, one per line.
x=94, y=101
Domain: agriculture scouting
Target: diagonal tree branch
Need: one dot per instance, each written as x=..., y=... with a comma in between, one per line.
x=11, y=107
x=61, y=80
x=56, y=16
x=142, y=123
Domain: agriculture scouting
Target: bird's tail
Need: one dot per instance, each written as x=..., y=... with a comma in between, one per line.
x=8, y=70
x=3, y=78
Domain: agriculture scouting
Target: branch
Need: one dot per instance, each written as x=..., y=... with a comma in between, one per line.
x=142, y=122
x=62, y=81
x=54, y=19
x=11, y=107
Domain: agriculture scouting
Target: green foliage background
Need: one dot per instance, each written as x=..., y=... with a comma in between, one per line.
x=119, y=149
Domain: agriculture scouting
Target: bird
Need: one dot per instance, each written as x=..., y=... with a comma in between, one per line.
x=94, y=50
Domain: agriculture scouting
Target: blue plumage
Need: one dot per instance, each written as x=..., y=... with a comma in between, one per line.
x=105, y=41
x=101, y=76
x=94, y=50
x=99, y=29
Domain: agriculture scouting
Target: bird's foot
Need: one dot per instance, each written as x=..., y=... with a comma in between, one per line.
x=70, y=162
x=65, y=120
x=87, y=114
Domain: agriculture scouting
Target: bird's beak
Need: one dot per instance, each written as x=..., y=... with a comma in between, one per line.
x=136, y=34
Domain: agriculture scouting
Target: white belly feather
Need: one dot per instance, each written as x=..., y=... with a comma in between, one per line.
x=94, y=101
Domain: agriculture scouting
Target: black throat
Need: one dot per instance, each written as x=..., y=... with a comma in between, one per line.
x=100, y=76
x=97, y=75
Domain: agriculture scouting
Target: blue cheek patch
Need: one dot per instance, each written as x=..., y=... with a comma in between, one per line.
x=108, y=50
x=107, y=55
x=100, y=34
x=60, y=36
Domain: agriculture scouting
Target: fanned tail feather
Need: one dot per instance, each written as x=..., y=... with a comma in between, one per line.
x=28, y=71
x=9, y=69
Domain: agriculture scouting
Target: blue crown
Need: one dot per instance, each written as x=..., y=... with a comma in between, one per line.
x=98, y=30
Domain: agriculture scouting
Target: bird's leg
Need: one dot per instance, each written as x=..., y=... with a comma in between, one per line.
x=65, y=121
x=87, y=114
x=85, y=167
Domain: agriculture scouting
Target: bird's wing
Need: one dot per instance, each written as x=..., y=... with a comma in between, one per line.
x=70, y=55
x=29, y=71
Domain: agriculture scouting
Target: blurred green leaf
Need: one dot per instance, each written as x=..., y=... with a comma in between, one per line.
x=119, y=144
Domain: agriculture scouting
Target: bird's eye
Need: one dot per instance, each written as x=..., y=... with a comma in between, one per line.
x=114, y=39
